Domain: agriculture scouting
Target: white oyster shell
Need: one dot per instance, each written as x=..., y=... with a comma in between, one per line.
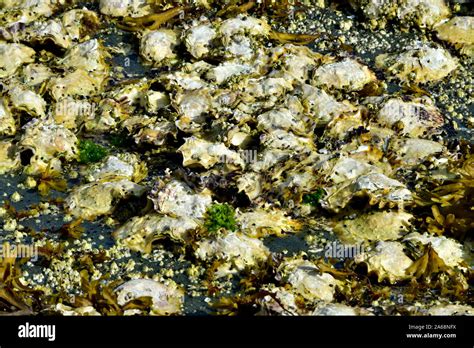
x=387, y=260
x=178, y=199
x=125, y=8
x=333, y=309
x=451, y=309
x=449, y=250
x=140, y=230
x=22, y=54
x=307, y=281
x=47, y=141
x=123, y=166
x=199, y=38
x=207, y=154
x=7, y=121
x=167, y=297
x=383, y=225
x=420, y=64
x=98, y=198
x=237, y=250
x=158, y=46
x=9, y=157
x=347, y=74
x=25, y=100
x=419, y=116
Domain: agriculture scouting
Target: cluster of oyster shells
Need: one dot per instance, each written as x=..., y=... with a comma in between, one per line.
x=245, y=112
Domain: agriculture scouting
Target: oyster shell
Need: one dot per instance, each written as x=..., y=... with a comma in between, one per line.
x=451, y=309
x=260, y=223
x=88, y=56
x=23, y=99
x=377, y=187
x=235, y=250
x=306, y=280
x=79, y=83
x=380, y=226
x=125, y=8
x=178, y=199
x=198, y=39
x=347, y=74
x=207, y=154
x=167, y=297
x=123, y=166
x=79, y=311
x=387, y=260
x=330, y=309
x=458, y=31
x=23, y=54
x=140, y=231
x=72, y=113
x=414, y=151
x=99, y=198
x=419, y=117
x=9, y=157
x=157, y=46
x=48, y=142
x=7, y=121
x=419, y=64
x=449, y=250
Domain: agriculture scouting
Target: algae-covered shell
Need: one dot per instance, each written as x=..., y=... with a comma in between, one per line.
x=379, y=189
x=79, y=83
x=167, y=298
x=262, y=222
x=414, y=151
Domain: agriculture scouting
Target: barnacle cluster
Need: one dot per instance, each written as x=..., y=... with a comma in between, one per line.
x=232, y=137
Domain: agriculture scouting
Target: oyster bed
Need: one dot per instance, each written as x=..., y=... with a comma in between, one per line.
x=240, y=147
